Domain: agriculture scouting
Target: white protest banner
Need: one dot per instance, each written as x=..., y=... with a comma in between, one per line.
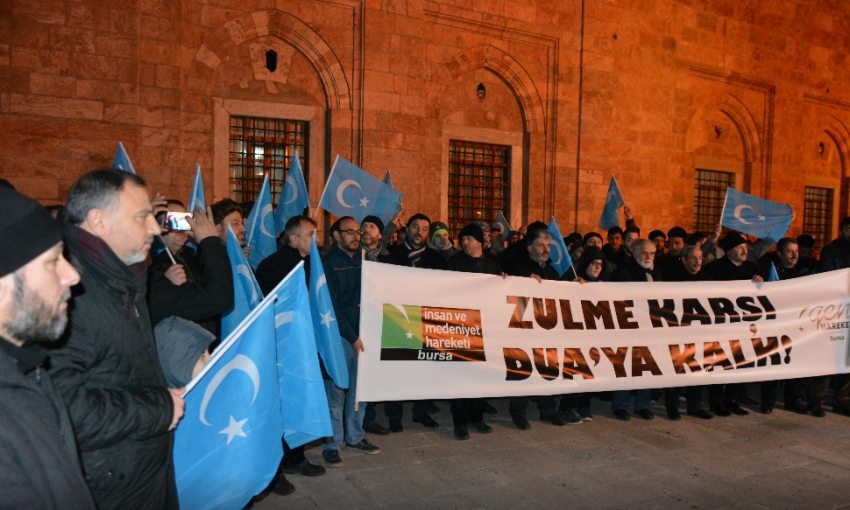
x=439, y=334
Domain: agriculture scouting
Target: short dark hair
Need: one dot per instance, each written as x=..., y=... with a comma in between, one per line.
x=615, y=230
x=224, y=208
x=677, y=232
x=805, y=241
x=294, y=225
x=631, y=230
x=845, y=222
x=338, y=223
x=174, y=201
x=784, y=242
x=418, y=216
x=97, y=189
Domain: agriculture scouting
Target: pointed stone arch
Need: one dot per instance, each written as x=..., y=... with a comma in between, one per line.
x=514, y=75
x=284, y=26
x=746, y=125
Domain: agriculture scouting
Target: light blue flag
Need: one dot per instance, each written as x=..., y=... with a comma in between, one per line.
x=502, y=223
x=558, y=254
x=246, y=290
x=610, y=216
x=755, y=216
x=196, y=199
x=122, y=160
x=259, y=228
x=304, y=403
x=328, y=340
x=227, y=447
x=388, y=179
x=351, y=191
x=293, y=197
x=773, y=276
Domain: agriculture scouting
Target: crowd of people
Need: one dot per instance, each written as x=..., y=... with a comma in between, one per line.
x=99, y=335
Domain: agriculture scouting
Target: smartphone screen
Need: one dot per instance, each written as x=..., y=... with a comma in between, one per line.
x=177, y=220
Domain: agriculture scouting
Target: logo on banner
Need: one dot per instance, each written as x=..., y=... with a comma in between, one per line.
x=431, y=334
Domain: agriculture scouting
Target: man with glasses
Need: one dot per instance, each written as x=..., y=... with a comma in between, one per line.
x=342, y=268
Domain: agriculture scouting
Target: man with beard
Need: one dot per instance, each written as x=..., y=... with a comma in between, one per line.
x=414, y=251
x=640, y=269
x=228, y=213
x=786, y=262
x=732, y=266
x=676, y=237
x=108, y=370
x=470, y=411
x=39, y=464
x=342, y=267
x=688, y=270
x=538, y=266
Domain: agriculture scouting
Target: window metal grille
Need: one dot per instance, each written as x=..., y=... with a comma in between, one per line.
x=709, y=195
x=261, y=146
x=817, y=215
x=479, y=182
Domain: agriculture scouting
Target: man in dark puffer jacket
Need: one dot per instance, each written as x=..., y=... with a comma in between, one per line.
x=108, y=371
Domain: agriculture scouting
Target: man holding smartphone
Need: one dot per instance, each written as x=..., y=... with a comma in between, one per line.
x=191, y=282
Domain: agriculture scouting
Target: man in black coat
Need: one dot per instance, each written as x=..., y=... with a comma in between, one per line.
x=107, y=370
x=39, y=464
x=536, y=265
x=196, y=286
x=676, y=237
x=414, y=251
x=470, y=411
x=294, y=247
x=732, y=266
x=688, y=270
x=836, y=255
x=786, y=260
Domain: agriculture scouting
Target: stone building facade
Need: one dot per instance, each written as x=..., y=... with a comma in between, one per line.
x=650, y=91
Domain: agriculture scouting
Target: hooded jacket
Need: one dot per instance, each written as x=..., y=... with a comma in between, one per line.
x=39, y=464
x=109, y=375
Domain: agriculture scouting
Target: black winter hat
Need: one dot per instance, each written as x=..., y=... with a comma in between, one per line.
x=591, y=234
x=656, y=233
x=374, y=219
x=731, y=240
x=474, y=231
x=26, y=230
x=436, y=227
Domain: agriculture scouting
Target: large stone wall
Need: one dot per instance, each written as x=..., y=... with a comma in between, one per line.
x=661, y=88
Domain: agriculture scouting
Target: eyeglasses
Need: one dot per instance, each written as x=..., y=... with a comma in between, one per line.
x=351, y=232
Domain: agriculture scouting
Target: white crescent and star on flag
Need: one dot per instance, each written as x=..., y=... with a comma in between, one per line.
x=327, y=318
x=341, y=189
x=243, y=270
x=557, y=248
x=244, y=364
x=740, y=209
x=291, y=182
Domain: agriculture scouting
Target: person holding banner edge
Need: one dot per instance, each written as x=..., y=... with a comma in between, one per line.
x=342, y=269
x=537, y=265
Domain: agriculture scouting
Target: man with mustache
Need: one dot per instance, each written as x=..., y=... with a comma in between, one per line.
x=108, y=370
x=39, y=466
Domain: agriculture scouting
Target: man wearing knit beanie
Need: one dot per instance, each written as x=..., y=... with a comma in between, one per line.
x=42, y=469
